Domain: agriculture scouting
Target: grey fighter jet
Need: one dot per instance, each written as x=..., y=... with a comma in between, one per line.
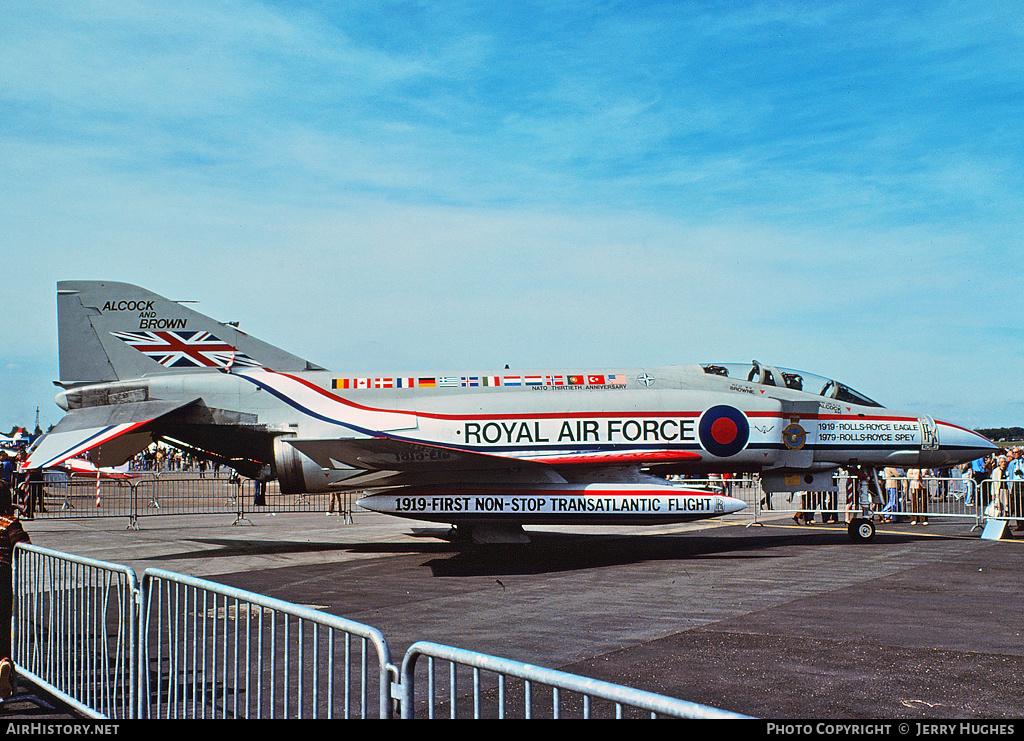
x=487, y=451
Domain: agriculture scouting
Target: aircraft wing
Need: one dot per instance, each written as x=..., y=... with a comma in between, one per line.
x=114, y=433
x=390, y=454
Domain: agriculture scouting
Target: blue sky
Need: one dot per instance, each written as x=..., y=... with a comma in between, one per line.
x=407, y=186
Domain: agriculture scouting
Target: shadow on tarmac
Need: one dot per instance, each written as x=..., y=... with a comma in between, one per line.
x=558, y=552
x=555, y=552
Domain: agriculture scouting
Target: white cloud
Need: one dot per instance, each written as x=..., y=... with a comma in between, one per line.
x=828, y=186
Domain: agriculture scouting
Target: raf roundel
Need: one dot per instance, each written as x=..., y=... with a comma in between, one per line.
x=723, y=431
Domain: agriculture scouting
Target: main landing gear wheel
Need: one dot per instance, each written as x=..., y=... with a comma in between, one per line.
x=861, y=530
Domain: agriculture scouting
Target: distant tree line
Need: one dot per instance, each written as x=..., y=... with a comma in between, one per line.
x=37, y=433
x=997, y=434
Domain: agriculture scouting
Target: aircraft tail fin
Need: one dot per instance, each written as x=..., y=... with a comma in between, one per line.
x=113, y=331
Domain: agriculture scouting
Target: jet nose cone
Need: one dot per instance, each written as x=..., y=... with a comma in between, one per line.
x=375, y=503
x=957, y=445
x=733, y=505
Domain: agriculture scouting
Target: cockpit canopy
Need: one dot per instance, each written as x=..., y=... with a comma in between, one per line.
x=809, y=383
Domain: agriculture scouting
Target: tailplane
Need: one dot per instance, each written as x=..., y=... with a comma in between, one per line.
x=115, y=331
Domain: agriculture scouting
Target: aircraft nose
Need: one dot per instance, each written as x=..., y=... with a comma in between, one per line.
x=733, y=505
x=957, y=445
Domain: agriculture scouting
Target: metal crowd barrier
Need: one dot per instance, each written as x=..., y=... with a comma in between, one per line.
x=75, y=621
x=185, y=493
x=584, y=698
x=175, y=646
x=211, y=651
x=941, y=497
x=1007, y=496
x=153, y=493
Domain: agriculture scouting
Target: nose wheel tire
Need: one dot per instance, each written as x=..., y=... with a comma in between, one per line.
x=861, y=530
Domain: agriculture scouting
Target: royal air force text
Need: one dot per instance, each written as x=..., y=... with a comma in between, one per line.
x=659, y=430
x=579, y=431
